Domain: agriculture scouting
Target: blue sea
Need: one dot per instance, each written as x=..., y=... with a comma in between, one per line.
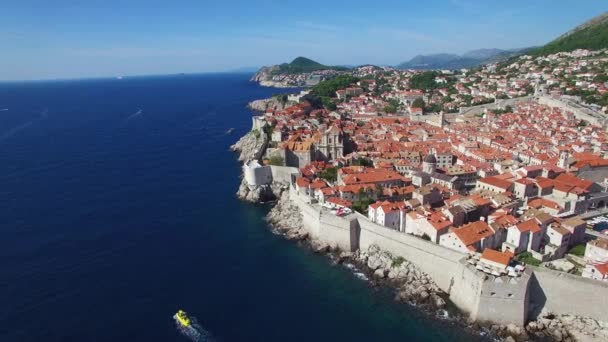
x=118, y=209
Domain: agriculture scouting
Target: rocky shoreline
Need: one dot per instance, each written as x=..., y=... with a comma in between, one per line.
x=275, y=84
x=269, y=103
x=410, y=285
x=414, y=287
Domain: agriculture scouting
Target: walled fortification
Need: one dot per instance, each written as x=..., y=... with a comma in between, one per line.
x=580, y=112
x=502, y=300
x=565, y=293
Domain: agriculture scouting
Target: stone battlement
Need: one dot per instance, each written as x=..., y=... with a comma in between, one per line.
x=499, y=299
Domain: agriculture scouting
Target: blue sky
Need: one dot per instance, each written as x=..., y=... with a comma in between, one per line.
x=71, y=39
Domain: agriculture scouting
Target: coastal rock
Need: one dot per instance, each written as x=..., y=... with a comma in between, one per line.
x=399, y=272
x=249, y=145
x=413, y=285
x=319, y=247
x=568, y=327
x=513, y=329
x=379, y=273
x=285, y=215
x=275, y=103
x=255, y=194
x=438, y=302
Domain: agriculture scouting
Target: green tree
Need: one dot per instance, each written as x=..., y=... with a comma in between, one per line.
x=328, y=88
x=390, y=109
x=424, y=80
x=328, y=103
x=330, y=174
x=362, y=162
x=419, y=103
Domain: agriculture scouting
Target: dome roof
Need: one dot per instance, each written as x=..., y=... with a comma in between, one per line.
x=430, y=158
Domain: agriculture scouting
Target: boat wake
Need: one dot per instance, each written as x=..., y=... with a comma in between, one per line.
x=4, y=110
x=15, y=130
x=11, y=132
x=195, y=332
x=136, y=114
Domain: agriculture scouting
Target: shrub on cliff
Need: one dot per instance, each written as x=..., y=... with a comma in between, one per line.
x=398, y=261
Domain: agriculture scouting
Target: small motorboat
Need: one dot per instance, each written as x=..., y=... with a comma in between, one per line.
x=181, y=317
x=230, y=131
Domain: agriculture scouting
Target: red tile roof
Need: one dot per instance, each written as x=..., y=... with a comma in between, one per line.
x=497, y=182
x=529, y=225
x=473, y=232
x=496, y=256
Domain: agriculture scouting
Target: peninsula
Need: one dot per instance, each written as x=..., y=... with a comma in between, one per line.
x=300, y=72
x=485, y=188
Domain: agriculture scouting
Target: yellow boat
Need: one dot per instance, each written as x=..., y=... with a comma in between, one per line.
x=182, y=318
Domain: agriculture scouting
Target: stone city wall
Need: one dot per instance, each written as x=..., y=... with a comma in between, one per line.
x=568, y=294
x=282, y=174
x=474, y=110
x=580, y=112
x=484, y=298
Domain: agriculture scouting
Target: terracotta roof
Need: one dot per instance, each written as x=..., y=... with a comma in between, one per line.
x=497, y=182
x=302, y=182
x=574, y=222
x=473, y=232
x=602, y=268
x=529, y=225
x=543, y=202
x=496, y=256
x=574, y=181
x=341, y=202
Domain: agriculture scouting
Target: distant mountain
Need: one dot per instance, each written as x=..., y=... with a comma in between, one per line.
x=483, y=53
x=592, y=35
x=438, y=61
x=303, y=64
x=452, y=61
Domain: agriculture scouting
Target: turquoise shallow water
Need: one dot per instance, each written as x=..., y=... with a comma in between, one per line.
x=118, y=208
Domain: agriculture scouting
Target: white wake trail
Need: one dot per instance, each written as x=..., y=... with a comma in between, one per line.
x=136, y=114
x=15, y=130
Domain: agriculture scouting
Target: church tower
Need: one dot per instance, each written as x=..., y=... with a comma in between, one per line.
x=563, y=162
x=429, y=165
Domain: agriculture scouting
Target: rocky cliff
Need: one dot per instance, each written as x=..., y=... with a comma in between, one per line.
x=265, y=77
x=248, y=146
x=274, y=102
x=264, y=74
x=286, y=217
